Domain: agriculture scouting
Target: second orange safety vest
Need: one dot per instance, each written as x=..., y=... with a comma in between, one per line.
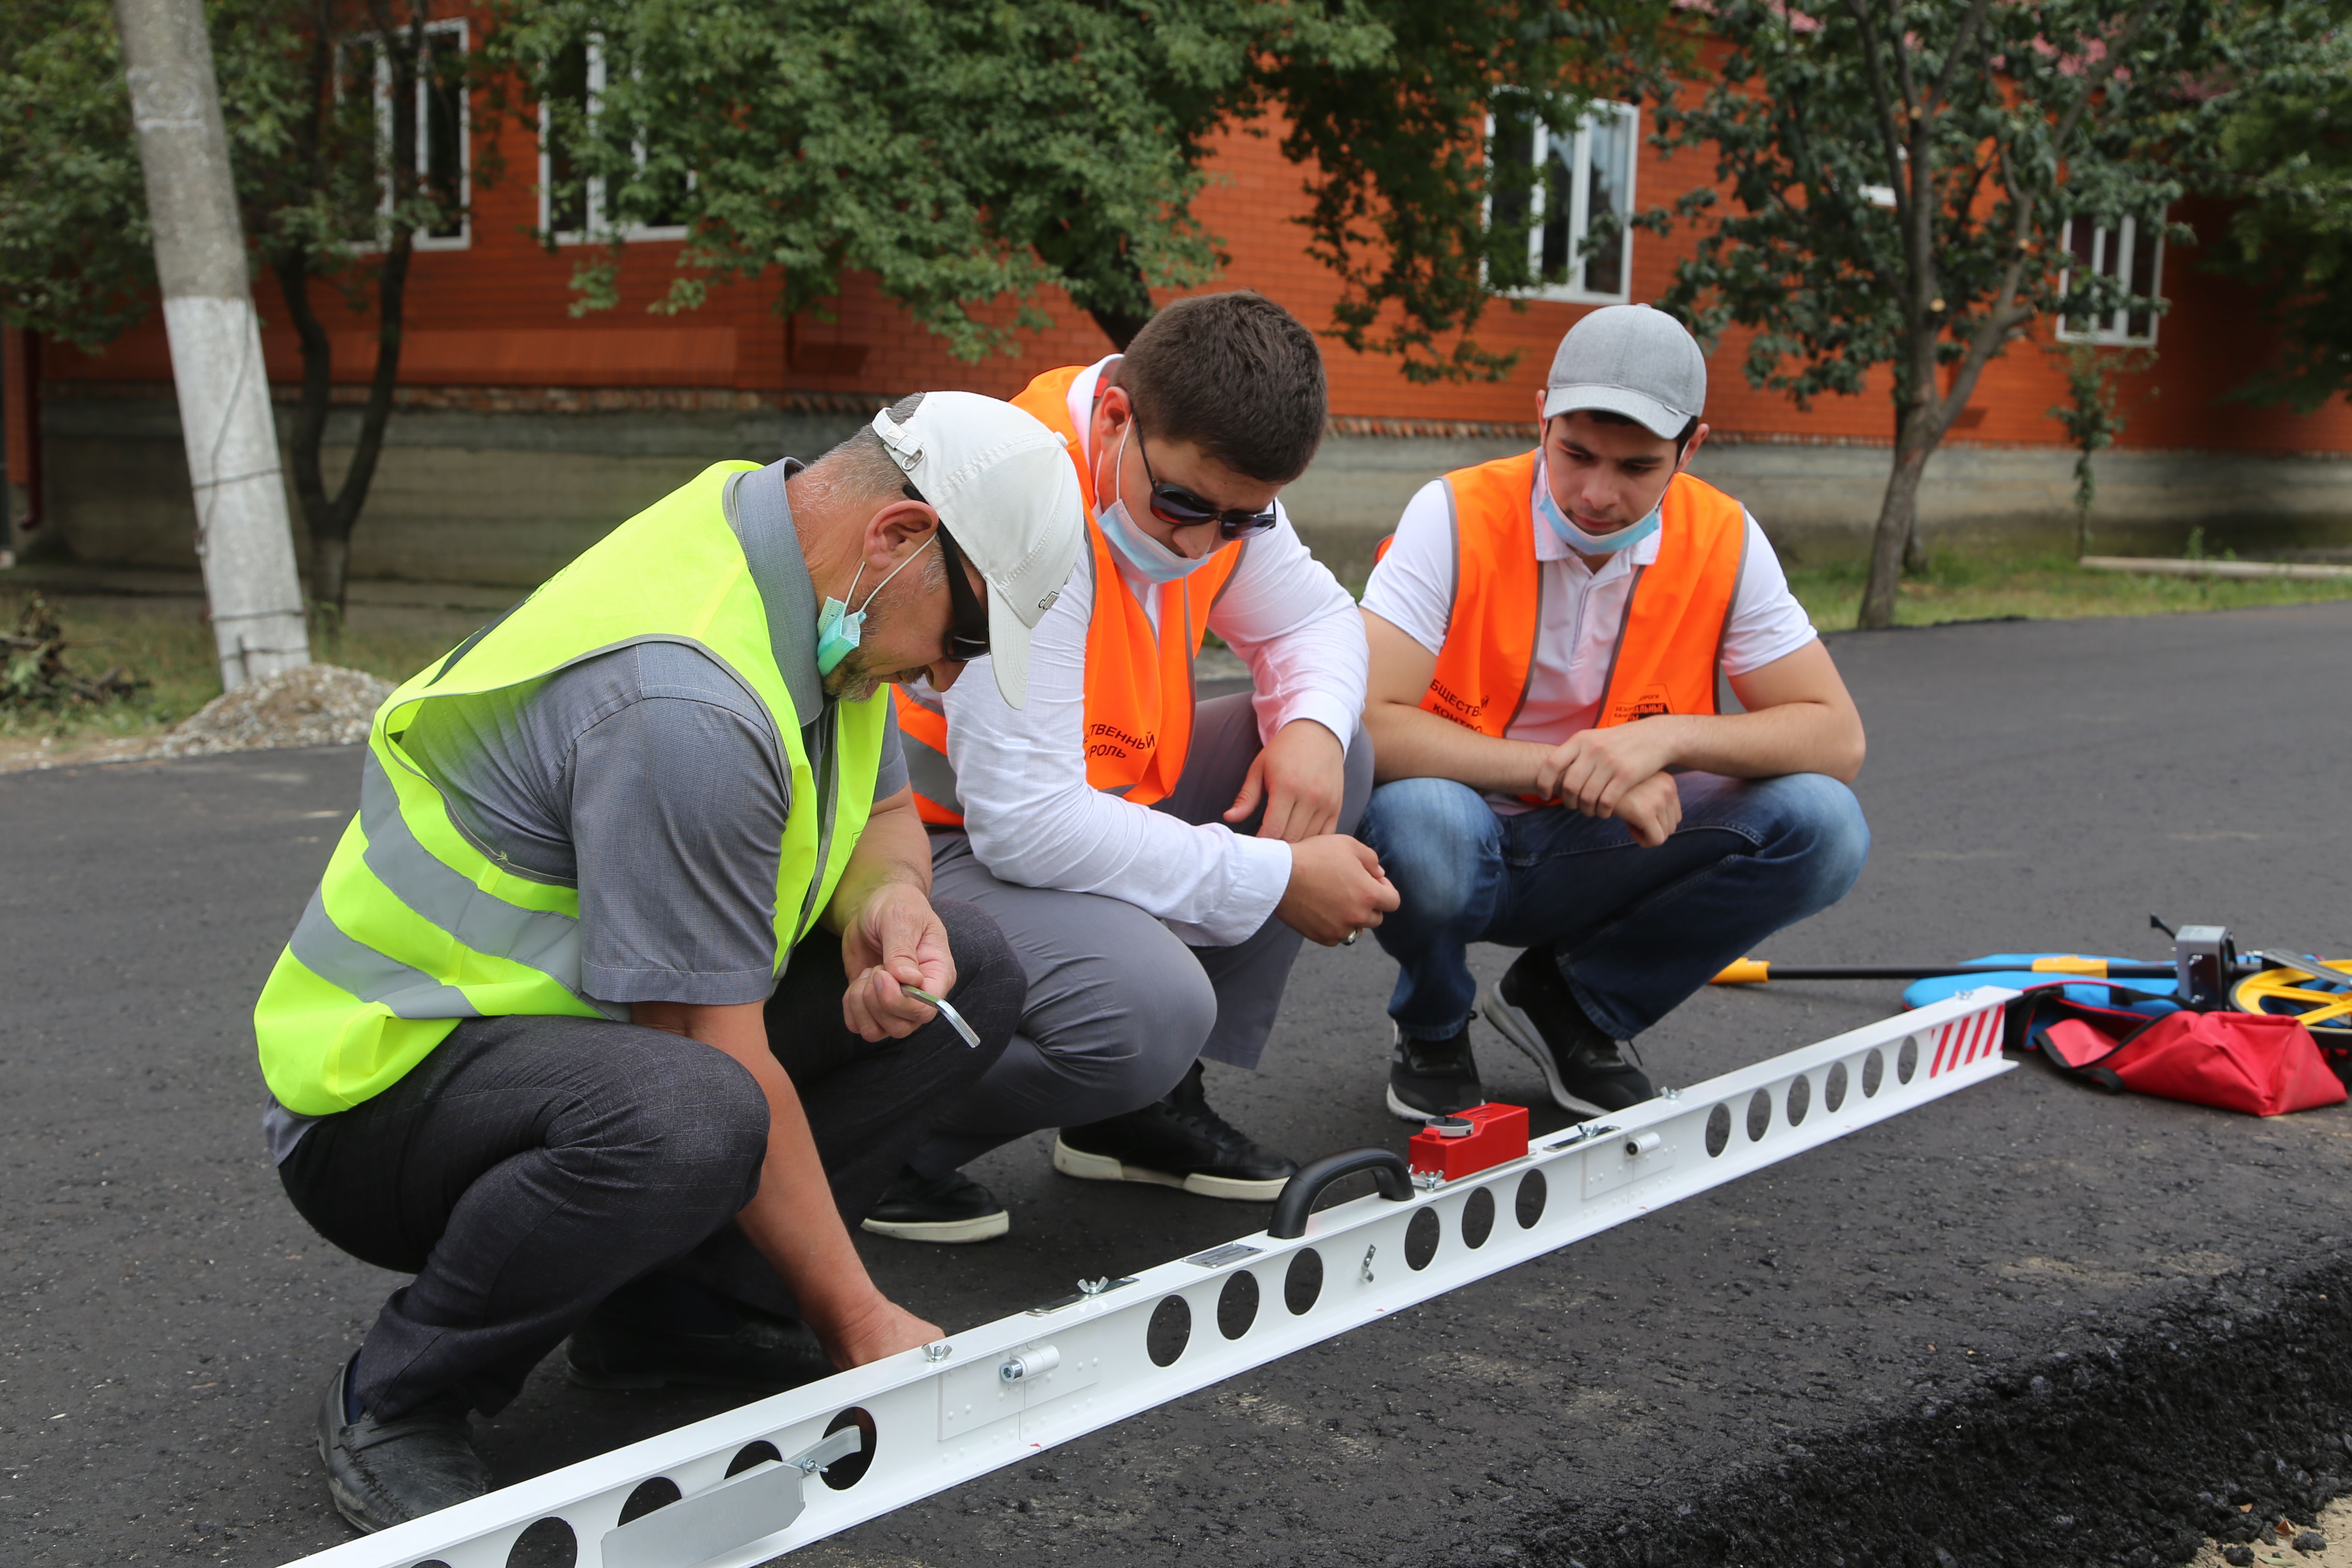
x=1670, y=645
x=1139, y=706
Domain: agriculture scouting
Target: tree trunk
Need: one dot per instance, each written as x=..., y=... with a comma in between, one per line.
x=1915, y=553
x=1897, y=515
x=242, y=533
x=1119, y=326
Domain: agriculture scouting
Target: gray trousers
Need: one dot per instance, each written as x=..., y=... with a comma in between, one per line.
x=1118, y=1007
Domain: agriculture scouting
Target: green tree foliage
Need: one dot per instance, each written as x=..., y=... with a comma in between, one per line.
x=967, y=157
x=2278, y=142
x=1899, y=176
x=327, y=178
x=74, y=257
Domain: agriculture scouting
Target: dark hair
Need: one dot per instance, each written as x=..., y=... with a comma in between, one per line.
x=1610, y=417
x=1236, y=374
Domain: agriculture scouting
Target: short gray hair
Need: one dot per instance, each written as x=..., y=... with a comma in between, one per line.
x=862, y=465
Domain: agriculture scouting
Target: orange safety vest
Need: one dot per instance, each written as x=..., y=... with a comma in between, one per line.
x=1138, y=708
x=1670, y=647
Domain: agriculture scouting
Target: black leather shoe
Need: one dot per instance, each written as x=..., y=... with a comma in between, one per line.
x=383, y=1473
x=760, y=1354
x=1583, y=1068
x=1177, y=1142
x=952, y=1208
x=1433, y=1078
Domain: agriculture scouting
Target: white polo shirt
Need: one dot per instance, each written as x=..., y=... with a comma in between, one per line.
x=1583, y=612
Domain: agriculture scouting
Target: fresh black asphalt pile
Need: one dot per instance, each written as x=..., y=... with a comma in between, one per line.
x=2027, y=1324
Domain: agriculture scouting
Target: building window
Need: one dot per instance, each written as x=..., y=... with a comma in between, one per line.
x=2131, y=253
x=574, y=207
x=442, y=128
x=1561, y=188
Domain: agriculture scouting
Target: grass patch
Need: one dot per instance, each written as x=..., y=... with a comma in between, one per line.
x=166, y=643
x=1969, y=587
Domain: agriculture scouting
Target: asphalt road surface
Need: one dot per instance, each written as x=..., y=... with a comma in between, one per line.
x=1819, y=1364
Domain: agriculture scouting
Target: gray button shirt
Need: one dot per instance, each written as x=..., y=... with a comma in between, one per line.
x=654, y=781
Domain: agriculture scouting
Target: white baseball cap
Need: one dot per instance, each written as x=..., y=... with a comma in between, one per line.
x=1005, y=487
x=1634, y=361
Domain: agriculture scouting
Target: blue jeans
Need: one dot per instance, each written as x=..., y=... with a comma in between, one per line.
x=1634, y=931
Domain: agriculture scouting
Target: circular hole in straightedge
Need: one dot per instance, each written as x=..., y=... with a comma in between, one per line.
x=1718, y=1131
x=1169, y=1332
x=548, y=1544
x=751, y=1454
x=1302, y=1282
x=1238, y=1304
x=1874, y=1073
x=1906, y=1060
x=1800, y=1098
x=1834, y=1088
x=1421, y=1238
x=1529, y=1206
x=843, y=1474
x=1478, y=1218
x=1759, y=1116
x=659, y=1491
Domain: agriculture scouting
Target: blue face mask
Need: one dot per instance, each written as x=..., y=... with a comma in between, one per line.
x=1576, y=538
x=1152, y=560
x=838, y=629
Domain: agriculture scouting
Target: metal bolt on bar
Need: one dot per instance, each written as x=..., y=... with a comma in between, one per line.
x=888, y=1433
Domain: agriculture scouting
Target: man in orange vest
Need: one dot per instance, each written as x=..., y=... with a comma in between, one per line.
x=1154, y=864
x=1526, y=613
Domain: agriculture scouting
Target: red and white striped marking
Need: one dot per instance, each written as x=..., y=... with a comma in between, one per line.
x=1964, y=1040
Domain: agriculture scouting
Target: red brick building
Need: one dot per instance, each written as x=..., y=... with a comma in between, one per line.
x=526, y=430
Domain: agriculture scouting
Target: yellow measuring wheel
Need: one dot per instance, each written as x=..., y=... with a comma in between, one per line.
x=2326, y=1010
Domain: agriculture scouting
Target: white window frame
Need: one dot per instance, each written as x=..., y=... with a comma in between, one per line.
x=2113, y=329
x=597, y=229
x=1573, y=291
x=374, y=42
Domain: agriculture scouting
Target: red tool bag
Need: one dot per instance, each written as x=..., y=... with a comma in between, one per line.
x=2238, y=1061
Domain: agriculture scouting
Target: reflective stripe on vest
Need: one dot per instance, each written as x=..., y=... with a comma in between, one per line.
x=1138, y=705
x=413, y=927
x=1671, y=643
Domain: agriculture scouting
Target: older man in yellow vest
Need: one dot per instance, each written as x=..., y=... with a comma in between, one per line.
x=1547, y=632
x=559, y=1034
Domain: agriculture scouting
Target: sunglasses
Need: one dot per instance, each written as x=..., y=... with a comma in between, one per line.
x=967, y=615
x=1180, y=508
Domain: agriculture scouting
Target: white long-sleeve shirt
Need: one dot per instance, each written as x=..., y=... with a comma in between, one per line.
x=1021, y=773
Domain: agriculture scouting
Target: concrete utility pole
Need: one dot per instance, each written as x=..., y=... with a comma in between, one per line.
x=242, y=534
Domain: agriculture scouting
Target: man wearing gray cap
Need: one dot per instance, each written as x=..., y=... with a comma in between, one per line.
x=1527, y=612
x=624, y=996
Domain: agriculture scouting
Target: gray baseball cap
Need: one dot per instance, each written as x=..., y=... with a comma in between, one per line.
x=1629, y=360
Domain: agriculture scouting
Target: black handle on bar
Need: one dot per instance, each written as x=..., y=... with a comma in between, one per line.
x=1389, y=1170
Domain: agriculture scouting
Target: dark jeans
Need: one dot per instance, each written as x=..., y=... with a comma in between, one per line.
x=1634, y=931
x=531, y=1166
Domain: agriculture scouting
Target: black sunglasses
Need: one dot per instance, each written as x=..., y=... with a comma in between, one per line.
x=1180, y=508
x=967, y=615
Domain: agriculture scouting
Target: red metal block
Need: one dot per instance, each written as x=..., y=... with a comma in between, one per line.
x=1495, y=1133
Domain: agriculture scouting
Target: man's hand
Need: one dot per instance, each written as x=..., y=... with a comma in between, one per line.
x=895, y=941
x=1652, y=810
x=878, y=1328
x=1593, y=769
x=1337, y=889
x=1302, y=774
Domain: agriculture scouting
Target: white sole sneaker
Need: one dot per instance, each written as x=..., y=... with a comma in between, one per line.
x=946, y=1232
x=1105, y=1168
x=1516, y=1026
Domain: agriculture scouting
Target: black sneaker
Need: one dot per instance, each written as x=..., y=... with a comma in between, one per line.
x=615, y=1348
x=383, y=1473
x=1583, y=1068
x=1177, y=1142
x=952, y=1208
x=1433, y=1078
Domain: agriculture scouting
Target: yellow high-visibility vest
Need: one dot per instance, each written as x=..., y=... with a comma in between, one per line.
x=413, y=928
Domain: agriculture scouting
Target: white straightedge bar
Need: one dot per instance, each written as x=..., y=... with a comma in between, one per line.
x=997, y=1392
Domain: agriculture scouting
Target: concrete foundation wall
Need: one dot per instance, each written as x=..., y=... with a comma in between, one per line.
x=506, y=498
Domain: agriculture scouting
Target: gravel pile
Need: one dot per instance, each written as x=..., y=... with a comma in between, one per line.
x=317, y=705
